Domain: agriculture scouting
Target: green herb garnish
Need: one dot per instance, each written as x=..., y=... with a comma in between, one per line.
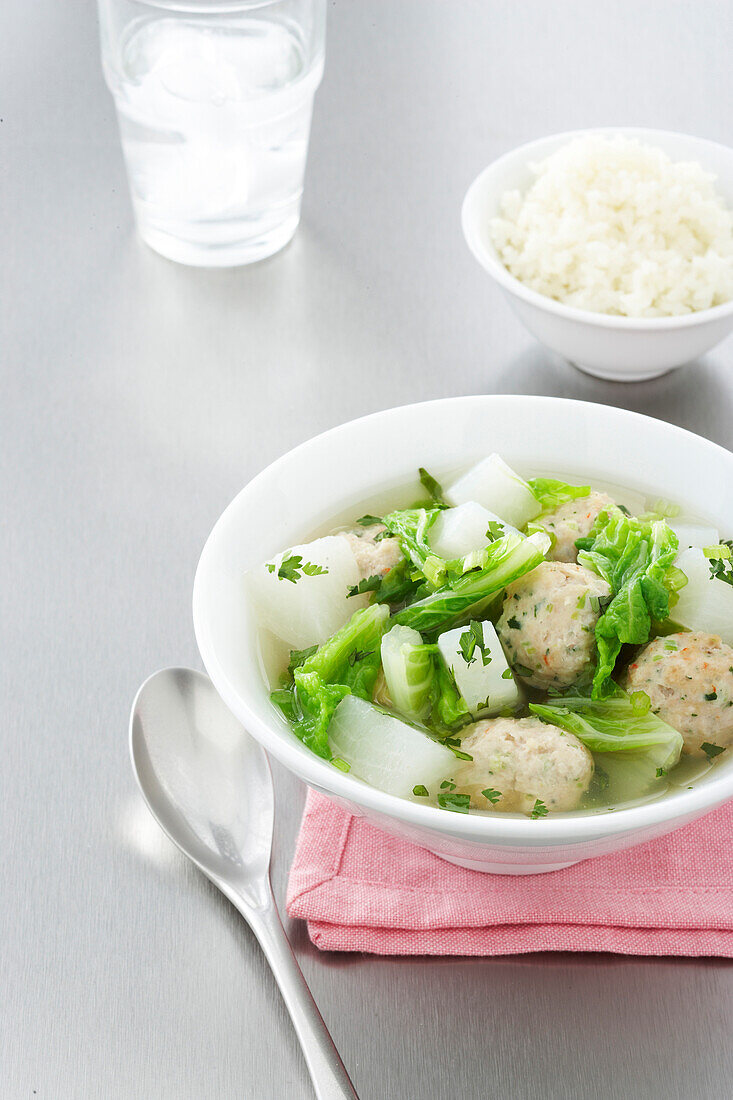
x=430, y=484
x=366, y=584
x=358, y=655
x=459, y=803
x=420, y=791
x=340, y=763
x=292, y=567
x=299, y=656
x=492, y=795
x=539, y=809
x=368, y=521
x=711, y=751
x=471, y=640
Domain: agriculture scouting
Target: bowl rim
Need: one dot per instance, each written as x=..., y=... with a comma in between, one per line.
x=318, y=773
x=510, y=283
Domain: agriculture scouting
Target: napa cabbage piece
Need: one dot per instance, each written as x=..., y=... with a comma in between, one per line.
x=411, y=527
x=408, y=667
x=634, y=556
x=638, y=747
x=347, y=664
x=469, y=591
x=552, y=493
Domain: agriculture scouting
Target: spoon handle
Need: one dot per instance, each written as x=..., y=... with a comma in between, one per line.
x=328, y=1074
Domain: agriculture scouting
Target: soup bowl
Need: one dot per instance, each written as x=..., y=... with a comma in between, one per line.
x=356, y=467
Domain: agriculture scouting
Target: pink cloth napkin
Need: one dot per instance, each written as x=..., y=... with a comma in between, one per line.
x=361, y=890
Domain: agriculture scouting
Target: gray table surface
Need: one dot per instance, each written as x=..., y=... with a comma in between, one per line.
x=138, y=397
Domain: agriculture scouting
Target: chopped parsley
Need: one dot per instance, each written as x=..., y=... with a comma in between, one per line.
x=459, y=803
x=428, y=482
x=514, y=623
x=454, y=744
x=721, y=566
x=358, y=655
x=366, y=584
x=492, y=795
x=661, y=772
x=299, y=656
x=711, y=751
x=368, y=521
x=447, y=785
x=420, y=791
x=539, y=809
x=711, y=695
x=292, y=567
x=471, y=640
x=506, y=674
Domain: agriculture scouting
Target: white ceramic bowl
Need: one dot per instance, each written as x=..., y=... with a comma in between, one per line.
x=623, y=349
x=350, y=468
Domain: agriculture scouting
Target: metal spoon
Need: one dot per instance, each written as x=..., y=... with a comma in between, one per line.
x=208, y=785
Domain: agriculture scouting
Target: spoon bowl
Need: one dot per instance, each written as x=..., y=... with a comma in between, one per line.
x=205, y=780
x=209, y=787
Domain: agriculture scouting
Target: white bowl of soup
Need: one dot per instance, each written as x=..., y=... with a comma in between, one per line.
x=444, y=604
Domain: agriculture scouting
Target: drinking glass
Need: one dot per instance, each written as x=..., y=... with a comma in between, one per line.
x=214, y=101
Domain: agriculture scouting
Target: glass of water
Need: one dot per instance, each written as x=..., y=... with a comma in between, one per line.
x=214, y=101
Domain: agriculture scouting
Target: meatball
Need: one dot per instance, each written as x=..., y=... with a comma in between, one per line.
x=373, y=556
x=548, y=622
x=573, y=521
x=523, y=760
x=689, y=679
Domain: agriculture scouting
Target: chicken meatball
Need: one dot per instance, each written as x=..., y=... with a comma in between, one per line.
x=374, y=556
x=523, y=759
x=689, y=679
x=548, y=622
x=573, y=521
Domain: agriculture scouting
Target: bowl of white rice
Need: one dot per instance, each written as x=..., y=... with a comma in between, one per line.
x=613, y=246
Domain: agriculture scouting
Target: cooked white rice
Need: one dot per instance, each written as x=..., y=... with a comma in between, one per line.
x=613, y=225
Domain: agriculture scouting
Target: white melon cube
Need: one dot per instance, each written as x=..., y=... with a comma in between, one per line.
x=705, y=603
x=309, y=609
x=497, y=487
x=694, y=534
x=458, y=531
x=385, y=752
x=486, y=688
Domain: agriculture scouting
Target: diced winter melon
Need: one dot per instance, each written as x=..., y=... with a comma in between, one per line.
x=386, y=752
x=497, y=487
x=694, y=534
x=458, y=531
x=308, y=610
x=705, y=603
x=486, y=688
